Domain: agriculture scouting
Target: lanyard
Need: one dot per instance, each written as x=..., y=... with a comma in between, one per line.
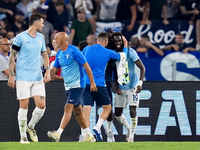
x=4, y=56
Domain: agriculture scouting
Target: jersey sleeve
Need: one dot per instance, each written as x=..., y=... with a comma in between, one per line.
x=114, y=55
x=17, y=42
x=56, y=63
x=79, y=57
x=43, y=45
x=133, y=55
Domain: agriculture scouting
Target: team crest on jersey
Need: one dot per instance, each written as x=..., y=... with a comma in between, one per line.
x=39, y=41
x=67, y=56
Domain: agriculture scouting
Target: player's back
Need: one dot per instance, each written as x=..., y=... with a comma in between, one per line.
x=28, y=56
x=97, y=57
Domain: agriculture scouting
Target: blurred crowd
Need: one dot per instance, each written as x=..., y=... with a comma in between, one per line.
x=14, y=16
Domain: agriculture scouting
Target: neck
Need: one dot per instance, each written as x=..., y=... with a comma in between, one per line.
x=4, y=53
x=64, y=47
x=31, y=31
x=81, y=19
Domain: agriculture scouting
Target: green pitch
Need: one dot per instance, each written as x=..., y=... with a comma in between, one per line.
x=101, y=146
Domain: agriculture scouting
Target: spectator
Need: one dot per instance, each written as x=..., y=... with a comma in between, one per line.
x=19, y=23
x=8, y=9
x=172, y=7
x=190, y=11
x=48, y=27
x=5, y=27
x=82, y=45
x=156, y=8
x=145, y=44
x=131, y=10
x=80, y=28
x=57, y=76
x=10, y=35
x=88, y=7
x=60, y=21
x=91, y=39
x=1, y=36
x=4, y=58
x=108, y=9
x=179, y=45
x=37, y=4
x=23, y=6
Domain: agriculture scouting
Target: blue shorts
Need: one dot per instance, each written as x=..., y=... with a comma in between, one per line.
x=74, y=96
x=101, y=96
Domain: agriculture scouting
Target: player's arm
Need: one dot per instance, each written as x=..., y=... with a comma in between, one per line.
x=11, y=79
x=93, y=87
x=47, y=77
x=142, y=74
x=72, y=36
x=53, y=71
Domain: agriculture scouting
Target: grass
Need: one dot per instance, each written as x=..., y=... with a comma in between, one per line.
x=101, y=146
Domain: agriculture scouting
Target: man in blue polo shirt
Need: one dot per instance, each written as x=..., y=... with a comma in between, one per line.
x=72, y=63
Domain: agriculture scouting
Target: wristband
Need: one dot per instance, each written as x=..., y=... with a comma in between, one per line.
x=140, y=82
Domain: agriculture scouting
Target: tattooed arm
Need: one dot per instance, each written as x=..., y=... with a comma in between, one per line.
x=11, y=79
x=47, y=77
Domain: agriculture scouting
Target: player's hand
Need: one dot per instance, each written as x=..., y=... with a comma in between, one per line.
x=47, y=77
x=11, y=82
x=93, y=88
x=139, y=89
x=129, y=27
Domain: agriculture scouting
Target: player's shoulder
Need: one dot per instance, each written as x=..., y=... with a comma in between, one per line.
x=22, y=34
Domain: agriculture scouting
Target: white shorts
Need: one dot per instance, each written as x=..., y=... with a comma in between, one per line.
x=127, y=97
x=28, y=89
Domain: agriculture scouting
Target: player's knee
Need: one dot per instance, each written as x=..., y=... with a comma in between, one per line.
x=133, y=112
x=77, y=111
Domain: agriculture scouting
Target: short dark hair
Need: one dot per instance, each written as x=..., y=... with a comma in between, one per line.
x=33, y=18
x=145, y=36
x=59, y=3
x=82, y=45
x=103, y=35
x=180, y=34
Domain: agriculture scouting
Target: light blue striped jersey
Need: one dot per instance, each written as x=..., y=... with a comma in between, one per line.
x=71, y=62
x=29, y=55
x=133, y=79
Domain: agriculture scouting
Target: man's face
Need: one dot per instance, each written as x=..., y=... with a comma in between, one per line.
x=179, y=39
x=10, y=35
x=19, y=18
x=118, y=42
x=57, y=41
x=143, y=41
x=40, y=25
x=59, y=8
x=5, y=45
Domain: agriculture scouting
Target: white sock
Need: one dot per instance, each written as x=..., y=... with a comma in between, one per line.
x=87, y=131
x=122, y=120
x=82, y=132
x=134, y=122
x=109, y=123
x=36, y=116
x=60, y=131
x=22, y=120
x=99, y=123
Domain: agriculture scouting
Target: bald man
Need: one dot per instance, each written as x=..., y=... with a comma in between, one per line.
x=4, y=58
x=72, y=62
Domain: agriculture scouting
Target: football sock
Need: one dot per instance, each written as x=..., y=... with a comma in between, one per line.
x=82, y=132
x=36, y=116
x=134, y=122
x=122, y=120
x=60, y=131
x=22, y=119
x=87, y=131
x=99, y=123
x=109, y=123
